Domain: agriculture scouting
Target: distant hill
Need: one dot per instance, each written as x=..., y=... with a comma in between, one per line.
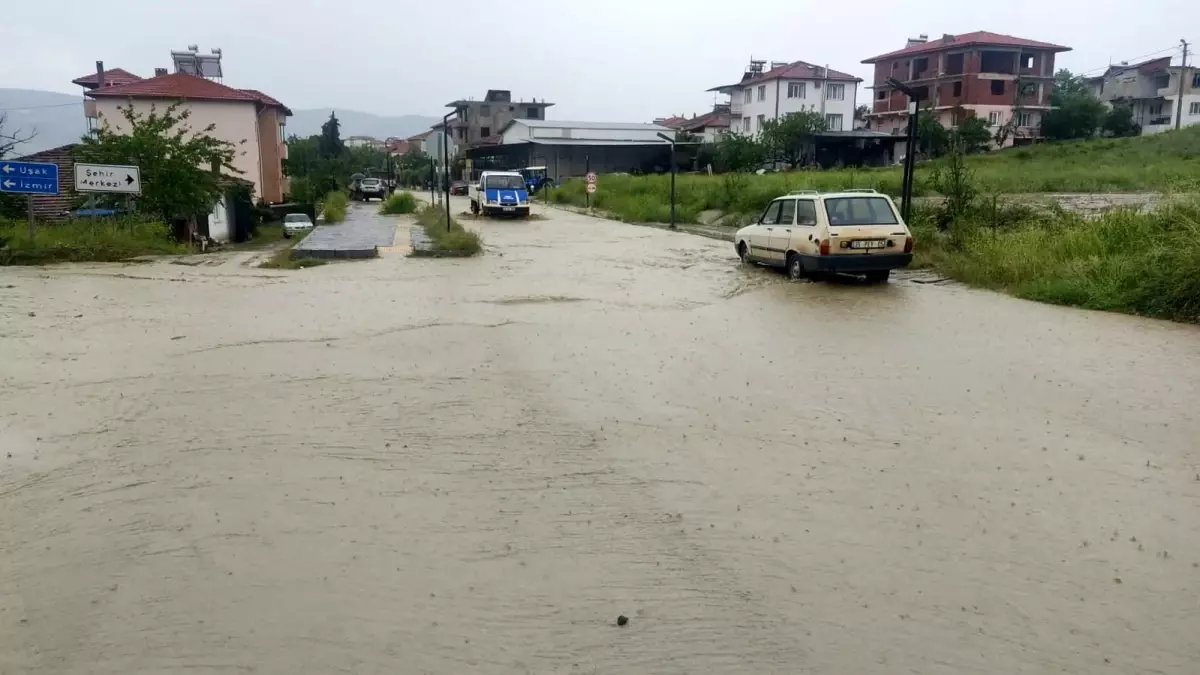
x=355, y=123
x=58, y=119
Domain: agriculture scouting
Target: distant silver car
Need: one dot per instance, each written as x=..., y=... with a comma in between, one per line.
x=372, y=187
x=296, y=222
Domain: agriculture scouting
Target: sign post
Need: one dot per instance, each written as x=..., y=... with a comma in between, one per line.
x=591, y=187
x=29, y=179
x=108, y=178
x=672, y=142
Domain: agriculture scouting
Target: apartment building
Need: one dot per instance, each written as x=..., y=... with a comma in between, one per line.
x=1004, y=79
x=1151, y=90
x=770, y=92
x=480, y=122
x=249, y=119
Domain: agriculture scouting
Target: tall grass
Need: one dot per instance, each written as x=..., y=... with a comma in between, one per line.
x=454, y=240
x=334, y=206
x=1167, y=162
x=398, y=203
x=1124, y=261
x=85, y=240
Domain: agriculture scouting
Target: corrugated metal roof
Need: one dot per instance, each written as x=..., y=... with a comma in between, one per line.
x=589, y=141
x=615, y=126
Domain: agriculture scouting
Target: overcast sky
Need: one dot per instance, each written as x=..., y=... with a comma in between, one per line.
x=616, y=60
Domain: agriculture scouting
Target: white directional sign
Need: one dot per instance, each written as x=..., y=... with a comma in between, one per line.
x=108, y=178
x=591, y=188
x=591, y=178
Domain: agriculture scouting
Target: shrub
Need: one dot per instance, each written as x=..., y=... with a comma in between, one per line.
x=334, y=207
x=454, y=240
x=85, y=240
x=398, y=203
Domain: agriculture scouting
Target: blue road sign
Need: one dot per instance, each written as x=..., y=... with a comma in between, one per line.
x=33, y=178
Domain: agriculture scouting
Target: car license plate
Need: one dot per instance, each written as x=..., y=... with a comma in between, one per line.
x=869, y=243
x=510, y=208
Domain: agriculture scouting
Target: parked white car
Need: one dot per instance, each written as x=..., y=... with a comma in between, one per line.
x=296, y=222
x=809, y=232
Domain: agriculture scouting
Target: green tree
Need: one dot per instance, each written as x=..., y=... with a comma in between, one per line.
x=181, y=169
x=1119, y=122
x=330, y=144
x=736, y=152
x=973, y=134
x=791, y=136
x=1076, y=113
x=932, y=138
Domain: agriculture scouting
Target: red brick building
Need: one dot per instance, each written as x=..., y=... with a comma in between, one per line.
x=1004, y=79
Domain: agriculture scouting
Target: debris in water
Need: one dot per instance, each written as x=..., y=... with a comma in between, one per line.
x=622, y=620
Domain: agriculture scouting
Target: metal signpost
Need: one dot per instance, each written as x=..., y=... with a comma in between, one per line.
x=29, y=178
x=671, y=140
x=591, y=187
x=910, y=156
x=108, y=178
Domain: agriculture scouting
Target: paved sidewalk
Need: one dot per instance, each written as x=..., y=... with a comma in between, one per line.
x=359, y=237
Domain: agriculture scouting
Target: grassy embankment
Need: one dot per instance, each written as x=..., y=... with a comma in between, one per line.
x=84, y=240
x=399, y=203
x=1122, y=261
x=1168, y=162
x=455, y=241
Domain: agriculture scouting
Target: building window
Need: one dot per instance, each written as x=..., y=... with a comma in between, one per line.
x=762, y=119
x=881, y=95
x=1196, y=81
x=797, y=90
x=835, y=92
x=1156, y=109
x=762, y=92
x=746, y=124
x=485, y=131
x=748, y=97
x=1195, y=109
x=282, y=132
x=485, y=111
x=957, y=90
x=833, y=122
x=1025, y=119
x=998, y=87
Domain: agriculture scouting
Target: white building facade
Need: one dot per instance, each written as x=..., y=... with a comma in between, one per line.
x=768, y=94
x=1152, y=91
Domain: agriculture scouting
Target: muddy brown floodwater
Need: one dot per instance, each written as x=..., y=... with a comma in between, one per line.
x=453, y=466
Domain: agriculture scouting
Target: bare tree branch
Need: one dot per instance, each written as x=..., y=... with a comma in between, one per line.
x=9, y=141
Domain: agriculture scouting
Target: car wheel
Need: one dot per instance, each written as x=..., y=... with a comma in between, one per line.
x=475, y=208
x=878, y=276
x=744, y=253
x=287, y=235
x=795, y=268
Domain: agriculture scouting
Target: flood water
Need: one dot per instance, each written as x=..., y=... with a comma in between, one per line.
x=453, y=466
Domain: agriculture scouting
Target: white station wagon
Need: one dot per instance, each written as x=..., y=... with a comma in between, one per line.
x=807, y=232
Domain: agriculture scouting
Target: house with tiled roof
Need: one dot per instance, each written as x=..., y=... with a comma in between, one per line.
x=1004, y=79
x=252, y=121
x=771, y=90
x=1151, y=89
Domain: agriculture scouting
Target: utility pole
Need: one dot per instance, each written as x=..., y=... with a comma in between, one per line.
x=1182, y=74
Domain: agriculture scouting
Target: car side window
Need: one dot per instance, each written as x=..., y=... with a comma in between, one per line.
x=806, y=212
x=771, y=215
x=787, y=213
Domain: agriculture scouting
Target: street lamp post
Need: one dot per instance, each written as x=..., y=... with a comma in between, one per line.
x=671, y=140
x=446, y=160
x=910, y=157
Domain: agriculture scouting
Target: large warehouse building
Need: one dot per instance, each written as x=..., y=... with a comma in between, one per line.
x=570, y=149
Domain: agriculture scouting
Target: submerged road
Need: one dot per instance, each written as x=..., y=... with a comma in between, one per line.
x=452, y=466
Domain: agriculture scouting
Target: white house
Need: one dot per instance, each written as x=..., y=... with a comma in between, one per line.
x=767, y=94
x=1151, y=90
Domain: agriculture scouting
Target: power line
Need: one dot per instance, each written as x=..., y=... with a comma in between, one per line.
x=41, y=107
x=1130, y=60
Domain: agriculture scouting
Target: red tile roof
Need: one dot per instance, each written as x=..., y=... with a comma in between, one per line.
x=672, y=122
x=712, y=119
x=419, y=137
x=800, y=70
x=184, y=86
x=981, y=37
x=112, y=77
